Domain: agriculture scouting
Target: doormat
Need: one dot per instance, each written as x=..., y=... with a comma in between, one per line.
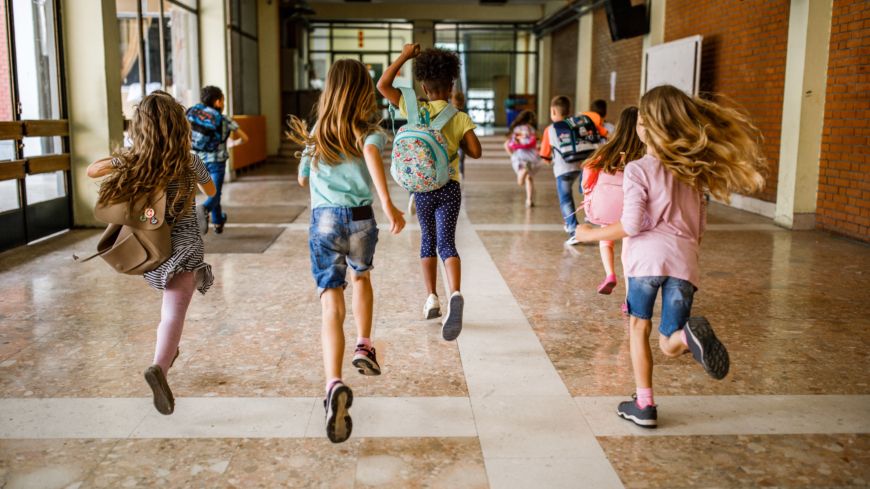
x=241, y=239
x=262, y=214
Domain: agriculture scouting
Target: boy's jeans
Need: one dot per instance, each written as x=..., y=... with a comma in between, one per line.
x=213, y=204
x=564, y=183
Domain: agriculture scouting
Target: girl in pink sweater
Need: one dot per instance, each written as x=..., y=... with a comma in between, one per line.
x=693, y=146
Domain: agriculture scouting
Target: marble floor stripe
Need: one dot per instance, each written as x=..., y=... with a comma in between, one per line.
x=508, y=426
x=735, y=415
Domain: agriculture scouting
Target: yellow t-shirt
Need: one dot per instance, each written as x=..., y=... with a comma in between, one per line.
x=453, y=131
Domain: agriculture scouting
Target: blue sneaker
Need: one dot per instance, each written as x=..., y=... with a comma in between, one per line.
x=645, y=418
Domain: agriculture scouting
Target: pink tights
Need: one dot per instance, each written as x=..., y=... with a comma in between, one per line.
x=176, y=298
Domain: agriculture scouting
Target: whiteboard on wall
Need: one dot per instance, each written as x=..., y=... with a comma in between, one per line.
x=676, y=63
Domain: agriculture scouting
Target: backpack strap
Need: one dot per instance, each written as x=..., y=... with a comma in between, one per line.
x=444, y=117
x=411, y=107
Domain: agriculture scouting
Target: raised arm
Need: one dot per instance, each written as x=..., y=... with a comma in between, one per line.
x=385, y=84
x=376, y=169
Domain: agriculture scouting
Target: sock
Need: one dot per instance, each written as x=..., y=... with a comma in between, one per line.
x=331, y=383
x=683, y=337
x=644, y=398
x=364, y=341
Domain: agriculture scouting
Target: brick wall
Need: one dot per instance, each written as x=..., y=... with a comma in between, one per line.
x=563, y=64
x=5, y=82
x=843, y=205
x=624, y=57
x=743, y=58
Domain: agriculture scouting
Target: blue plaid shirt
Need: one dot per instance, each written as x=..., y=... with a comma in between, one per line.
x=216, y=161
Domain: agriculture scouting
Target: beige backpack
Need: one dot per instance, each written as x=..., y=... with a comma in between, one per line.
x=135, y=244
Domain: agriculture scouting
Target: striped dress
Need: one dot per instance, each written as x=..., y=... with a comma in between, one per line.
x=187, y=246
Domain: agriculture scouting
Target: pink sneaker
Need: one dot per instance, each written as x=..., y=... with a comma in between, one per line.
x=607, y=286
x=625, y=308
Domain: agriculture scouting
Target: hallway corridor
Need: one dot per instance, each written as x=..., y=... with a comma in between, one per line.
x=525, y=398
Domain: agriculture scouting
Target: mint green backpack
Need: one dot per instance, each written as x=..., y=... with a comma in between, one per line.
x=420, y=161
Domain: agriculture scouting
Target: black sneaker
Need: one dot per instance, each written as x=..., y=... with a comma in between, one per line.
x=219, y=228
x=645, y=418
x=338, y=422
x=202, y=219
x=366, y=361
x=707, y=349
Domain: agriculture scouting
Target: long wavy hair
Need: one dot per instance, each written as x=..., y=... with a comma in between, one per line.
x=346, y=115
x=623, y=146
x=160, y=154
x=703, y=144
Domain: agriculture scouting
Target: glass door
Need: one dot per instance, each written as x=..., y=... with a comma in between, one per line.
x=34, y=156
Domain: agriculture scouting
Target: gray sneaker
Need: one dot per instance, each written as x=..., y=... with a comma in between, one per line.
x=645, y=418
x=706, y=348
x=451, y=325
x=338, y=422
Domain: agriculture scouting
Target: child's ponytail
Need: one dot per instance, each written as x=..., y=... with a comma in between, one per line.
x=703, y=144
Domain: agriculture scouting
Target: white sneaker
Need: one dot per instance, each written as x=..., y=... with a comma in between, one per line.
x=451, y=325
x=572, y=241
x=432, y=309
x=412, y=207
x=565, y=228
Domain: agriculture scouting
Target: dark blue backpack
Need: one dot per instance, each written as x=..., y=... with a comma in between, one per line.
x=578, y=138
x=205, y=124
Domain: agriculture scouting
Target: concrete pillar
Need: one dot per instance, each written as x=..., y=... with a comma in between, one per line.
x=656, y=36
x=213, y=44
x=584, y=64
x=545, y=53
x=424, y=35
x=809, y=31
x=269, y=45
x=93, y=81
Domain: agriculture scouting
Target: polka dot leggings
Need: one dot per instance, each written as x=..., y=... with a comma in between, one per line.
x=437, y=211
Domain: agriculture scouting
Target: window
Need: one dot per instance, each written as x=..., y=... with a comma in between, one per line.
x=166, y=35
x=499, y=67
x=244, y=57
x=374, y=44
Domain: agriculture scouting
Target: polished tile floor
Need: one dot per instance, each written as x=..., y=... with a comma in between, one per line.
x=525, y=397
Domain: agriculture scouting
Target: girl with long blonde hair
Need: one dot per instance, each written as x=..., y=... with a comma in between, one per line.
x=341, y=162
x=693, y=146
x=160, y=161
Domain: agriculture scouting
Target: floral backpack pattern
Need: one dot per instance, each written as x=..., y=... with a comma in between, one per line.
x=420, y=161
x=523, y=137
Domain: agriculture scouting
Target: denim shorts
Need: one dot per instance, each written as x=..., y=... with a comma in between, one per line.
x=336, y=241
x=677, y=298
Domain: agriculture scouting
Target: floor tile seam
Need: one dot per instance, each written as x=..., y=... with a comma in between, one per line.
x=100, y=462
x=230, y=461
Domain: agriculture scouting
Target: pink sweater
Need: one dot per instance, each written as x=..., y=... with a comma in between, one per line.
x=665, y=218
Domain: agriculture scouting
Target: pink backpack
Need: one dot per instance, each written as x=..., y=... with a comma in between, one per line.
x=523, y=137
x=603, y=203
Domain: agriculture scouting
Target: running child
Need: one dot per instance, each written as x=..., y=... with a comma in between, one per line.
x=341, y=161
x=605, y=168
x=438, y=210
x=568, y=152
x=522, y=146
x=160, y=160
x=213, y=133
x=693, y=146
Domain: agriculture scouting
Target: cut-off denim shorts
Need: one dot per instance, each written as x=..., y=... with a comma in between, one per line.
x=336, y=241
x=677, y=296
